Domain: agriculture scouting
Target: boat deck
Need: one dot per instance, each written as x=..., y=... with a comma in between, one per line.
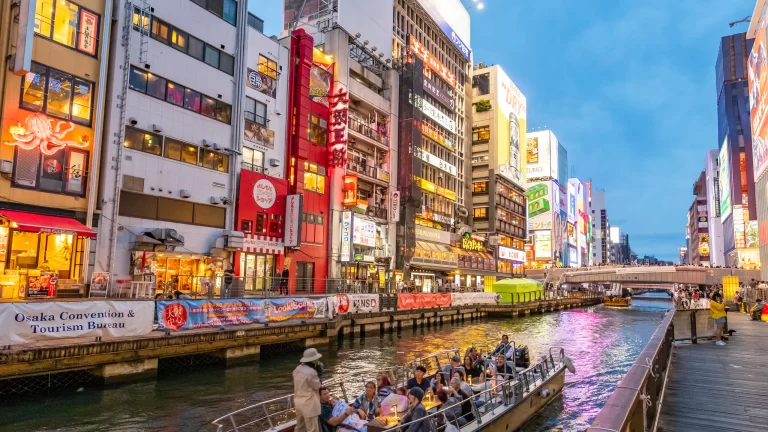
x=719, y=388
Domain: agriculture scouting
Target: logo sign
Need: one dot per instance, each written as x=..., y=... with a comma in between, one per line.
x=432, y=112
x=89, y=26
x=430, y=61
x=470, y=243
x=440, y=95
x=293, y=210
x=433, y=235
x=542, y=245
x=506, y=253
x=346, y=236
x=264, y=193
x=337, y=142
x=437, y=162
x=435, y=9
x=364, y=233
x=319, y=84
x=435, y=135
x=394, y=206
x=260, y=82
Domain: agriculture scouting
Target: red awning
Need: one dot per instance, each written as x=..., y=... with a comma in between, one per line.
x=33, y=222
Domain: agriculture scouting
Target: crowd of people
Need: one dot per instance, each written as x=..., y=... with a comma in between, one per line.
x=449, y=390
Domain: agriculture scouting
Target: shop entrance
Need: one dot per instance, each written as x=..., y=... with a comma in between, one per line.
x=425, y=282
x=305, y=277
x=257, y=270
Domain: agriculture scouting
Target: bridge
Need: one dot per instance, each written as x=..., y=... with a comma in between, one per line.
x=659, y=276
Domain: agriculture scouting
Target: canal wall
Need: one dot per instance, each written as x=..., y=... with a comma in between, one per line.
x=122, y=359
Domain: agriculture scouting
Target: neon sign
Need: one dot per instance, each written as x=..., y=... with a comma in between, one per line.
x=40, y=132
x=338, y=129
x=433, y=63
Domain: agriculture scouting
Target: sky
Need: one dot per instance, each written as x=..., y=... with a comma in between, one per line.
x=627, y=86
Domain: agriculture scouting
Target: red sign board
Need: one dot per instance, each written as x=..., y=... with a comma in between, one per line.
x=432, y=62
x=337, y=142
x=261, y=204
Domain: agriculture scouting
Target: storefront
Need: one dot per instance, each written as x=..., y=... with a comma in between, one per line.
x=510, y=261
x=475, y=262
x=171, y=271
x=258, y=262
x=40, y=254
x=433, y=259
x=364, y=251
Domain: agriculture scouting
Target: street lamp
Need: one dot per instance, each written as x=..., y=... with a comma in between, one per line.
x=477, y=4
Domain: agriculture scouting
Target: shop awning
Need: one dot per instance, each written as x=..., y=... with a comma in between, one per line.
x=33, y=222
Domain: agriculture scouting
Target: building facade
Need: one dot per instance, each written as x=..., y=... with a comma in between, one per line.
x=600, y=228
x=715, y=225
x=698, y=224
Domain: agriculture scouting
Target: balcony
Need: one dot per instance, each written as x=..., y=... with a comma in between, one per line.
x=252, y=167
x=256, y=118
x=377, y=175
x=376, y=137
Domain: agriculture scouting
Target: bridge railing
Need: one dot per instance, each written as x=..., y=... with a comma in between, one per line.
x=635, y=403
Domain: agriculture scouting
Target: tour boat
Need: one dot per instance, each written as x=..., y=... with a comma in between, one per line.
x=617, y=301
x=498, y=405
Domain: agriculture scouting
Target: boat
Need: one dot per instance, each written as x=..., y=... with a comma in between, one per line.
x=617, y=296
x=501, y=404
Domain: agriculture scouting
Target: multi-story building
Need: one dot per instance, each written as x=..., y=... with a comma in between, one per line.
x=52, y=100
x=498, y=196
x=173, y=130
x=626, y=251
x=736, y=171
x=546, y=226
x=715, y=225
x=698, y=225
x=600, y=228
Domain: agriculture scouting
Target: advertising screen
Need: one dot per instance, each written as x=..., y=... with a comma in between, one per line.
x=542, y=245
x=573, y=257
x=571, y=234
x=540, y=155
x=758, y=98
x=512, y=104
x=725, y=181
x=571, y=203
x=582, y=248
x=451, y=17
x=539, y=205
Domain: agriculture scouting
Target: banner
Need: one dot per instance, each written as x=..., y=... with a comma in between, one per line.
x=423, y=300
x=474, y=298
x=29, y=322
x=355, y=303
x=179, y=315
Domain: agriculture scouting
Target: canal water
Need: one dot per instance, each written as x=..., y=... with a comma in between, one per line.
x=603, y=343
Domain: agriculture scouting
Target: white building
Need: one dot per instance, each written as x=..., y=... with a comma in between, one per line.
x=600, y=228
x=716, y=243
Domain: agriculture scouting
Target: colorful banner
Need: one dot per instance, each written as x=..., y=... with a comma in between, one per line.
x=179, y=315
x=30, y=322
x=758, y=98
x=474, y=298
x=423, y=300
x=355, y=303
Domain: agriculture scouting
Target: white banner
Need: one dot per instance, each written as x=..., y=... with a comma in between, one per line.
x=29, y=322
x=474, y=298
x=355, y=303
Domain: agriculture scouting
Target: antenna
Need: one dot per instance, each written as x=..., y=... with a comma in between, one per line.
x=743, y=20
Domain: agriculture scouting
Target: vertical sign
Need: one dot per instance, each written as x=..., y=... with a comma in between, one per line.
x=346, y=237
x=337, y=141
x=293, y=211
x=89, y=27
x=394, y=206
x=22, y=60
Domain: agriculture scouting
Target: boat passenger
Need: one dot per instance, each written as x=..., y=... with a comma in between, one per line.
x=448, y=404
x=402, y=391
x=503, y=369
x=465, y=387
x=367, y=404
x=438, y=382
x=416, y=413
x=456, y=391
x=419, y=381
x=502, y=347
x=449, y=369
x=328, y=422
x=384, y=387
x=306, y=385
x=473, y=368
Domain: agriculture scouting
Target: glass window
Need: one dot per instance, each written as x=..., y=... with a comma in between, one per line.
x=153, y=144
x=59, y=94
x=196, y=48
x=160, y=30
x=137, y=17
x=212, y=56
x=175, y=94
x=134, y=138
x=227, y=63
x=65, y=19
x=138, y=80
x=208, y=107
x=230, y=11
x=261, y=223
x=482, y=133
x=179, y=40
x=189, y=154
x=246, y=226
x=267, y=67
x=138, y=205
x=250, y=105
x=318, y=131
x=211, y=216
x=481, y=84
x=261, y=113
x=216, y=6
x=172, y=149
x=202, y=3
x=480, y=212
x=44, y=17
x=214, y=160
x=174, y=210
x=81, y=102
x=256, y=22
x=142, y=140
x=192, y=100
x=223, y=112
x=478, y=187
x=33, y=87
x=314, y=178
x=156, y=86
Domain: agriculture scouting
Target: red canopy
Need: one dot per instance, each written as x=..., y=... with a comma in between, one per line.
x=33, y=222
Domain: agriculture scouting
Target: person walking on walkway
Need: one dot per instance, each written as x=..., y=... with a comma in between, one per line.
x=306, y=387
x=717, y=312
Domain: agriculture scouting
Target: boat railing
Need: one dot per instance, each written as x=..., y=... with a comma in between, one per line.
x=267, y=415
x=501, y=395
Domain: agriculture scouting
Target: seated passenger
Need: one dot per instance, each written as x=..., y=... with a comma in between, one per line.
x=503, y=369
x=328, y=422
x=419, y=381
x=450, y=406
x=384, y=388
x=367, y=404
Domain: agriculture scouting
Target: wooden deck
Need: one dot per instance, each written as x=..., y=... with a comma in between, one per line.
x=719, y=388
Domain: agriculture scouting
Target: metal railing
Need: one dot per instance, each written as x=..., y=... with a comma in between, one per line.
x=635, y=404
x=377, y=212
x=368, y=170
x=252, y=167
x=256, y=118
x=363, y=129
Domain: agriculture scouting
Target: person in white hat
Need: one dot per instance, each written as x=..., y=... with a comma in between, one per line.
x=306, y=398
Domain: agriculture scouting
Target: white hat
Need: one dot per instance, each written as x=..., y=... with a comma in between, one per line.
x=310, y=354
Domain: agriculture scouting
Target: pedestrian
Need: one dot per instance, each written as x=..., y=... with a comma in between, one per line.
x=717, y=312
x=306, y=387
x=284, y=281
x=276, y=280
x=738, y=301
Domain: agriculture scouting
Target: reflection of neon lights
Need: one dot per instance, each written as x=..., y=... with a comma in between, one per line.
x=40, y=132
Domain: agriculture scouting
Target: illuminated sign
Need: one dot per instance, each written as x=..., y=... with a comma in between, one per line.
x=435, y=135
x=437, y=162
x=425, y=213
x=506, y=253
x=431, y=187
x=428, y=223
x=468, y=242
x=433, y=63
x=293, y=212
x=264, y=193
x=39, y=132
x=725, y=180
x=423, y=233
x=364, y=233
x=542, y=245
x=346, y=237
x=350, y=190
x=394, y=206
x=758, y=98
x=435, y=114
x=704, y=245
x=439, y=94
x=337, y=143
x=738, y=227
x=447, y=15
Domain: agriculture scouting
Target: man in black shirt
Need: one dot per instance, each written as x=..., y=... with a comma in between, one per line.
x=503, y=369
x=419, y=381
x=328, y=423
x=502, y=347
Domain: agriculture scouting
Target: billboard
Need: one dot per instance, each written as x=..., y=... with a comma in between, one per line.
x=540, y=205
x=725, y=180
x=571, y=203
x=541, y=160
x=571, y=233
x=451, y=17
x=758, y=98
x=542, y=245
x=513, y=108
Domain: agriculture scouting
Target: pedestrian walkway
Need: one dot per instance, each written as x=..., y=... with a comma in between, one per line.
x=719, y=388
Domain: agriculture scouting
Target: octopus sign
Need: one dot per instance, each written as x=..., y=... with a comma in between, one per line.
x=39, y=131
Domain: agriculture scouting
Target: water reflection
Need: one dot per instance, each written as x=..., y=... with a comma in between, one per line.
x=602, y=342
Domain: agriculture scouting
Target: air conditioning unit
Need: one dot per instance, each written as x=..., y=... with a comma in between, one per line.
x=216, y=147
x=185, y=193
x=156, y=128
x=167, y=236
x=234, y=240
x=6, y=166
x=215, y=200
x=274, y=162
x=206, y=143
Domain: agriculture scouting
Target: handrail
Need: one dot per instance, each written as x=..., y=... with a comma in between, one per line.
x=642, y=386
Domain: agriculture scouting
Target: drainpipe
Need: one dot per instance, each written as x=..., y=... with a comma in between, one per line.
x=101, y=96
x=241, y=50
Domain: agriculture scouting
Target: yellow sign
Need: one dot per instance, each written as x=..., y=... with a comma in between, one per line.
x=469, y=243
x=431, y=187
x=428, y=223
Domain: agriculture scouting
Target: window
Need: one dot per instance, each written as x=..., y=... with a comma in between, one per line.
x=246, y=226
x=225, y=9
x=227, y=63
x=137, y=17
x=172, y=210
x=314, y=178
x=67, y=23
x=318, y=130
x=160, y=88
x=481, y=84
x=212, y=56
x=179, y=40
x=480, y=212
x=261, y=223
x=253, y=160
x=58, y=94
x=255, y=22
x=255, y=111
x=214, y=160
x=482, y=133
x=211, y=216
x=160, y=30
x=144, y=141
x=63, y=172
x=267, y=67
x=180, y=151
x=138, y=205
x=480, y=187
x=196, y=48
